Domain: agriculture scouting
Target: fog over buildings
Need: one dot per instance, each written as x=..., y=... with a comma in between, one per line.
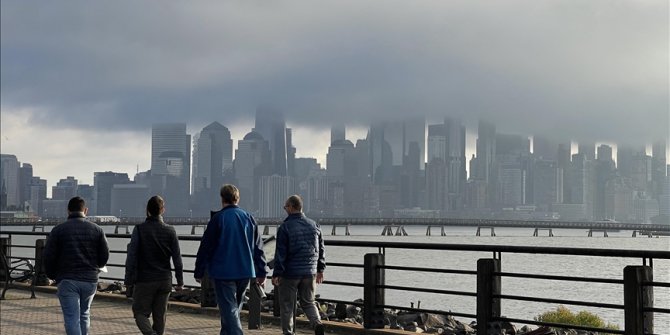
x=441, y=98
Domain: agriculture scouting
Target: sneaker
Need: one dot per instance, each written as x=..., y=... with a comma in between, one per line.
x=318, y=329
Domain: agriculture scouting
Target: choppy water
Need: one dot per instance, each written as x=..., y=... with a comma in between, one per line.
x=585, y=266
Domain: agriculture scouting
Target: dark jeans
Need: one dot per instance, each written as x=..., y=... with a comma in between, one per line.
x=303, y=290
x=151, y=299
x=229, y=296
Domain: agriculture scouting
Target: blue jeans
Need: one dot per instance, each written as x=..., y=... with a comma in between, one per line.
x=75, y=300
x=229, y=296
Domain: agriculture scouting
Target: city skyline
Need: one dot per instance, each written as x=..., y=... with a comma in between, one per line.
x=305, y=148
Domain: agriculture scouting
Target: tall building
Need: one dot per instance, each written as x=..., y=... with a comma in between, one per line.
x=65, y=189
x=437, y=142
x=544, y=148
x=9, y=171
x=486, y=155
x=129, y=200
x=271, y=126
x=212, y=159
x=337, y=133
x=582, y=183
x=290, y=153
x=604, y=170
x=659, y=162
x=588, y=149
x=103, y=182
x=252, y=160
x=38, y=193
x=624, y=160
x=273, y=191
x=547, y=184
x=437, y=192
x=25, y=180
x=456, y=161
x=171, y=166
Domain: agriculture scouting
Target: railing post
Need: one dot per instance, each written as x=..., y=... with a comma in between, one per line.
x=207, y=295
x=488, y=285
x=6, y=247
x=373, y=296
x=254, y=305
x=40, y=272
x=636, y=297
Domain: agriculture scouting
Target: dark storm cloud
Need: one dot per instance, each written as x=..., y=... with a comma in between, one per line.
x=595, y=70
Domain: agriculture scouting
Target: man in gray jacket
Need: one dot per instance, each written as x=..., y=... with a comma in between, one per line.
x=299, y=265
x=75, y=251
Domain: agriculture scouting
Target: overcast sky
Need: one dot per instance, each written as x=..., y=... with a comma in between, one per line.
x=82, y=82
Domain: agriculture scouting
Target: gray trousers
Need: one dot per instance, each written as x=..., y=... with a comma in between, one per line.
x=151, y=298
x=303, y=289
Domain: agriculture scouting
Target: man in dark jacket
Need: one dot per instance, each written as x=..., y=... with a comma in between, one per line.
x=231, y=252
x=299, y=265
x=152, y=245
x=74, y=253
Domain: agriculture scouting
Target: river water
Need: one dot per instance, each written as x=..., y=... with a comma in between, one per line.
x=581, y=266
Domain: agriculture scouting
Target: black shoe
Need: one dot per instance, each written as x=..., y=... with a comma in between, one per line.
x=318, y=329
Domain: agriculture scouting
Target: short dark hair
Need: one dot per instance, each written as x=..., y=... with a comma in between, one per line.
x=230, y=194
x=76, y=204
x=155, y=205
x=295, y=201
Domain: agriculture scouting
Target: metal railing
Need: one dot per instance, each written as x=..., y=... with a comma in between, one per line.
x=637, y=281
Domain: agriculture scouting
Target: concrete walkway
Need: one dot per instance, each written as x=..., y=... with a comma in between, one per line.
x=21, y=315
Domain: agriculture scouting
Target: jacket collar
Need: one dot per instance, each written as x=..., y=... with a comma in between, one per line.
x=74, y=215
x=229, y=206
x=158, y=218
x=294, y=216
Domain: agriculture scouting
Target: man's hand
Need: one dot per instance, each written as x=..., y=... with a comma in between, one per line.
x=179, y=287
x=319, y=277
x=276, y=281
x=260, y=281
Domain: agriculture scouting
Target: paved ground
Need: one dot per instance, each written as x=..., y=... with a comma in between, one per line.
x=21, y=315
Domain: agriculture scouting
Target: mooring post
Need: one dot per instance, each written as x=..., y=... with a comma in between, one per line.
x=373, y=295
x=637, y=297
x=488, y=285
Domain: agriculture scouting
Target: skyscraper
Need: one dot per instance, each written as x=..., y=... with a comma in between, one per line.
x=103, y=182
x=171, y=166
x=659, y=162
x=271, y=126
x=9, y=169
x=252, y=160
x=212, y=157
x=64, y=189
x=456, y=161
x=337, y=133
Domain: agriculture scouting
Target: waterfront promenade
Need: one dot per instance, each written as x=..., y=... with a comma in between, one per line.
x=20, y=315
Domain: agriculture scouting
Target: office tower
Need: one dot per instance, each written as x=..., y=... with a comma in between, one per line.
x=641, y=170
x=564, y=155
x=624, y=160
x=86, y=192
x=376, y=144
x=316, y=195
x=544, y=148
x=38, y=193
x=340, y=160
x=437, y=142
x=437, y=195
x=271, y=126
x=129, y=200
x=252, y=160
x=337, y=133
x=9, y=170
x=475, y=191
x=512, y=180
x=486, y=151
x=588, y=149
x=290, y=153
x=212, y=158
x=171, y=166
x=604, y=170
x=410, y=181
x=102, y=184
x=304, y=167
x=582, y=183
x=65, y=189
x=513, y=183
x=273, y=191
x=456, y=173
x=25, y=179
x=547, y=184
x=659, y=161
x=619, y=199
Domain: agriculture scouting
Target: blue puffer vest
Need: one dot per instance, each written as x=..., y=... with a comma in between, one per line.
x=300, y=249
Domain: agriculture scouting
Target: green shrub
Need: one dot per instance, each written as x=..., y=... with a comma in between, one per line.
x=583, y=318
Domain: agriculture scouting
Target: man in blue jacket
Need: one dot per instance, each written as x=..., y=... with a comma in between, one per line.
x=299, y=265
x=231, y=252
x=74, y=253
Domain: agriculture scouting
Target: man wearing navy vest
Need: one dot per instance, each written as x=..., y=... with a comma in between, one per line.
x=299, y=265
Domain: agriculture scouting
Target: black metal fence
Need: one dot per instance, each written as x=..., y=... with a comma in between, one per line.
x=638, y=284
